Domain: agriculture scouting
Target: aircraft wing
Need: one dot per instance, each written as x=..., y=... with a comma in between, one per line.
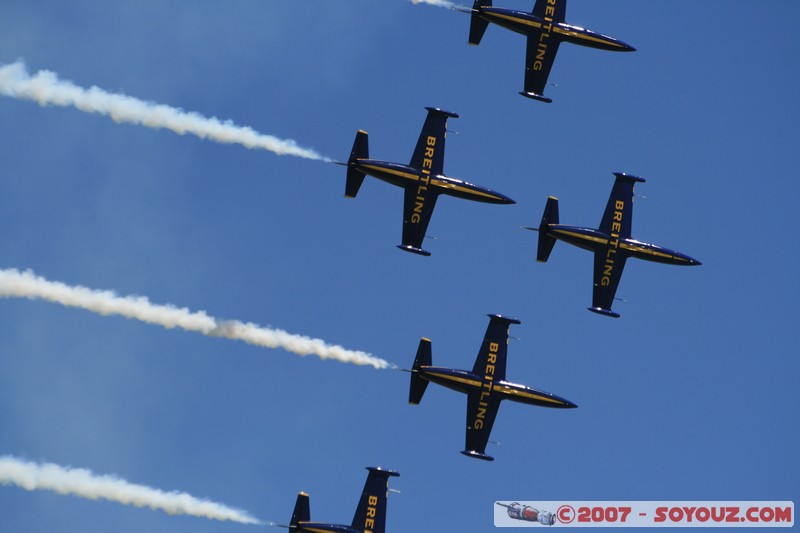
x=428, y=155
x=494, y=348
x=417, y=210
x=480, y=419
x=546, y=9
x=539, y=59
x=619, y=210
x=607, y=273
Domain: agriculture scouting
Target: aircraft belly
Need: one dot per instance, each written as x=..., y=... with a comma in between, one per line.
x=390, y=178
x=580, y=239
x=459, y=383
x=397, y=177
x=394, y=180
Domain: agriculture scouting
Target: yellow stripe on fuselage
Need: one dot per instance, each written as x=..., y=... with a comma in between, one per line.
x=582, y=236
x=450, y=377
x=623, y=245
x=400, y=173
x=525, y=394
x=459, y=188
x=634, y=248
x=583, y=36
x=531, y=23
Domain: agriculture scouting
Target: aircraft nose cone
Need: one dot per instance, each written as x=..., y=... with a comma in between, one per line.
x=691, y=261
x=564, y=403
x=497, y=197
x=683, y=259
x=501, y=198
x=626, y=47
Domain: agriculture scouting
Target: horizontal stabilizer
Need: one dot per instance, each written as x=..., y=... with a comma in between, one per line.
x=546, y=242
x=354, y=176
x=418, y=384
x=477, y=25
x=354, y=180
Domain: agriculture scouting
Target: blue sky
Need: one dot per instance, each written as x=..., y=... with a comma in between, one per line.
x=692, y=394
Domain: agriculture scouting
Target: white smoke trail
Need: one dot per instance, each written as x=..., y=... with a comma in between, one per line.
x=440, y=3
x=45, y=88
x=16, y=284
x=83, y=483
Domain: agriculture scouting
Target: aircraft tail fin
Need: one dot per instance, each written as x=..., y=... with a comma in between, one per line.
x=371, y=511
x=546, y=242
x=418, y=385
x=302, y=510
x=477, y=25
x=354, y=176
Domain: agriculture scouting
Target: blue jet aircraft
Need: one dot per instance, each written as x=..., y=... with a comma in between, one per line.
x=485, y=386
x=612, y=243
x=423, y=179
x=370, y=514
x=545, y=29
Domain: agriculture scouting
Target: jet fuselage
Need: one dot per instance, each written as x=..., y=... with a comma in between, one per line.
x=468, y=382
x=596, y=240
x=526, y=23
x=406, y=176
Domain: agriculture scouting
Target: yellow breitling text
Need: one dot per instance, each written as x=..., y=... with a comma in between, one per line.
x=424, y=180
x=369, y=523
x=487, y=384
x=613, y=243
x=544, y=37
